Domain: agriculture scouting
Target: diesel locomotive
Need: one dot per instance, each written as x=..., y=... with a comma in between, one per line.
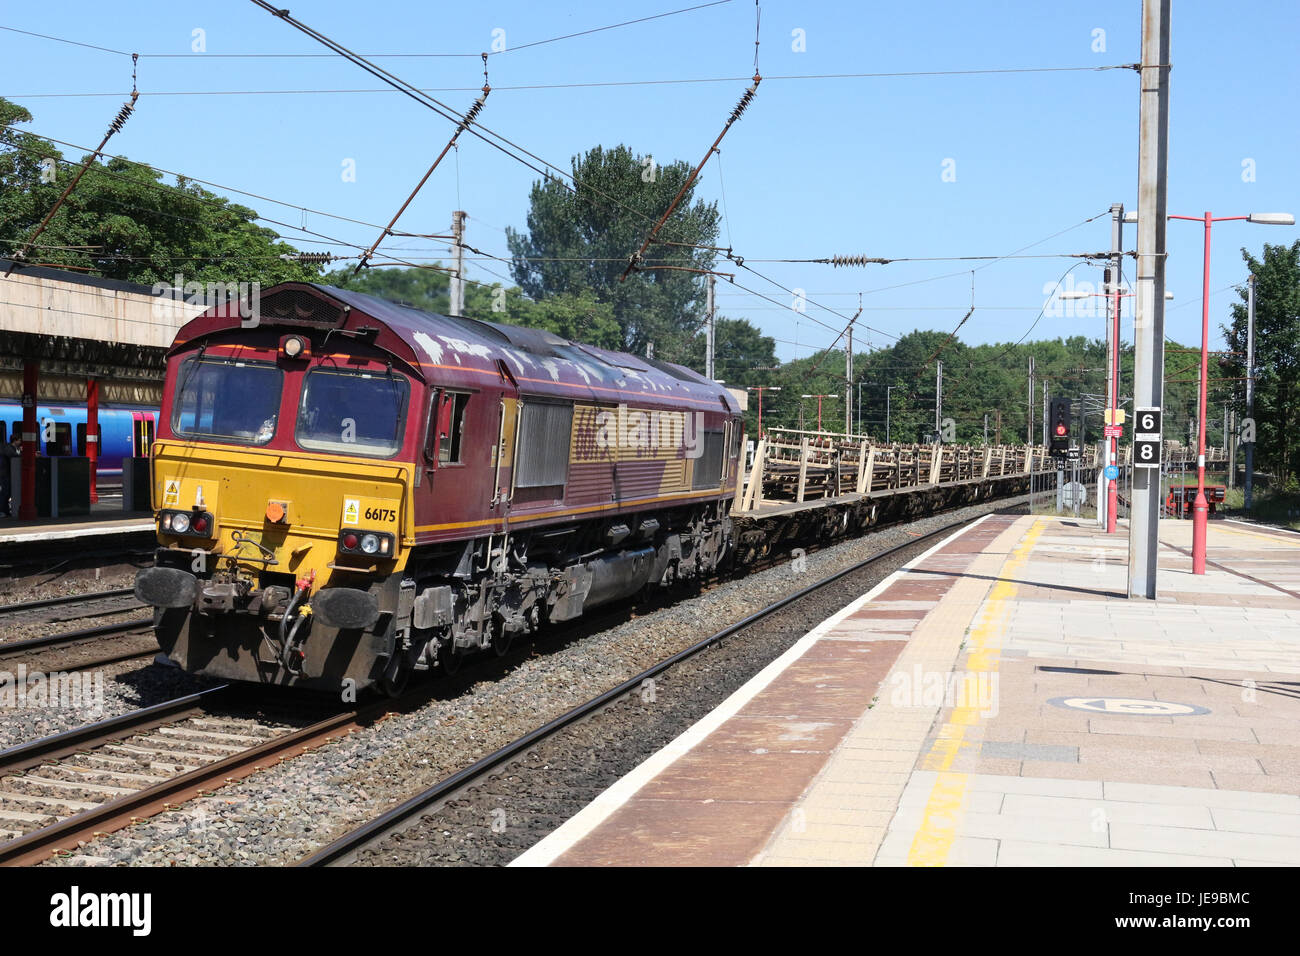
x=348, y=490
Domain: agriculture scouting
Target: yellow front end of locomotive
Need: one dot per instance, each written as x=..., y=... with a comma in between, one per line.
x=315, y=517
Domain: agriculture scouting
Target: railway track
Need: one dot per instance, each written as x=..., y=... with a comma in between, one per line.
x=33, y=615
x=31, y=648
x=67, y=608
x=508, y=759
x=60, y=791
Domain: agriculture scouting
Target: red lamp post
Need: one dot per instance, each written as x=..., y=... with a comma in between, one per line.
x=761, y=389
x=1201, y=507
x=819, y=407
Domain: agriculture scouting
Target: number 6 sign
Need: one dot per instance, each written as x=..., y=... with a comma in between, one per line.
x=1147, y=424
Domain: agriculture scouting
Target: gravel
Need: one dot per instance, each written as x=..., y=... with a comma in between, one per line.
x=288, y=811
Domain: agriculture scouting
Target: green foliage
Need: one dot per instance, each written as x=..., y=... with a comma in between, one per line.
x=1277, y=356
x=124, y=222
x=990, y=379
x=582, y=240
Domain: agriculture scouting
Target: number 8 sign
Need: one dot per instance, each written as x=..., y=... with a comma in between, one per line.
x=1146, y=454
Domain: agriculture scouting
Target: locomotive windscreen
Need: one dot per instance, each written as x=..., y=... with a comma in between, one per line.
x=356, y=413
x=230, y=401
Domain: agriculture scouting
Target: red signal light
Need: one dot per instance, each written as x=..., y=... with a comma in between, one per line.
x=350, y=541
x=200, y=523
x=1060, y=429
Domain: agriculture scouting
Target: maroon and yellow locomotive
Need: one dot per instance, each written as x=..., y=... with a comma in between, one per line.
x=349, y=490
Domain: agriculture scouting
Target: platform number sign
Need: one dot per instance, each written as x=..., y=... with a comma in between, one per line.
x=1146, y=438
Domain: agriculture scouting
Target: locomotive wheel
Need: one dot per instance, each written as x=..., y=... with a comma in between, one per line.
x=449, y=659
x=395, y=678
x=501, y=639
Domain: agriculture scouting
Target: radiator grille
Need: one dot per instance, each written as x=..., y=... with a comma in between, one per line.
x=543, y=445
x=708, y=467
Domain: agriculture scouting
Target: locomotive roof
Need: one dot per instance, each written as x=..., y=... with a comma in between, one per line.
x=540, y=361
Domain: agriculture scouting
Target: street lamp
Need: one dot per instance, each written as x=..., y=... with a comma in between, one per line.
x=819, y=406
x=1201, y=509
x=1112, y=446
x=761, y=389
x=888, y=389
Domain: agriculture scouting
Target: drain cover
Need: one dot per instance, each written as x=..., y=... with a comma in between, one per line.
x=1129, y=706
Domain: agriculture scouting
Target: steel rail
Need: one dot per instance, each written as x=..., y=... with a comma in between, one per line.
x=66, y=599
x=16, y=648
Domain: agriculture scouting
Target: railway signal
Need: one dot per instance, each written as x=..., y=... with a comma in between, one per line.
x=1058, y=418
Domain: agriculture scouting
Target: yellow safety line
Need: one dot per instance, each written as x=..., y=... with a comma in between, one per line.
x=1275, y=539
x=934, y=838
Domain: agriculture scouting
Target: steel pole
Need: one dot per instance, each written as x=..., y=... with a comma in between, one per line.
x=1201, y=508
x=1250, y=390
x=1112, y=444
x=1149, y=321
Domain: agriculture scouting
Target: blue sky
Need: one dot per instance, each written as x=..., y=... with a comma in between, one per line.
x=816, y=167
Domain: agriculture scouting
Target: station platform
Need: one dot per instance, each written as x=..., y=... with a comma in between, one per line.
x=998, y=701
x=108, y=524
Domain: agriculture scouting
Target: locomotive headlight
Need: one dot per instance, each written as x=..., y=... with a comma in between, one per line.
x=293, y=346
x=195, y=524
x=370, y=543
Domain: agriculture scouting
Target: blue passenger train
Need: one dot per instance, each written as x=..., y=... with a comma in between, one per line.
x=124, y=432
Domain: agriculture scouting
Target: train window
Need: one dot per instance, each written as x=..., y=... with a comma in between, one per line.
x=229, y=401
x=57, y=437
x=354, y=413
x=447, y=427
x=544, y=437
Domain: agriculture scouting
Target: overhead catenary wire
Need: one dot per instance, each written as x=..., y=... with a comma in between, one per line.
x=479, y=130
x=739, y=110
x=115, y=126
x=378, y=56
x=466, y=121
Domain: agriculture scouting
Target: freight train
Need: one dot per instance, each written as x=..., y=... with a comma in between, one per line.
x=124, y=432
x=348, y=490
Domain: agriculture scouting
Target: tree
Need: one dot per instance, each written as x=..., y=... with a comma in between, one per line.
x=124, y=222
x=582, y=239
x=1277, y=355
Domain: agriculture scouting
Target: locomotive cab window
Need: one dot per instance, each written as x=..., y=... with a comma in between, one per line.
x=444, y=440
x=352, y=413
x=225, y=401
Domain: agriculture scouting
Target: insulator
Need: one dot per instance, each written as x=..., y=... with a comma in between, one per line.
x=473, y=112
x=744, y=102
x=122, y=116
x=838, y=261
